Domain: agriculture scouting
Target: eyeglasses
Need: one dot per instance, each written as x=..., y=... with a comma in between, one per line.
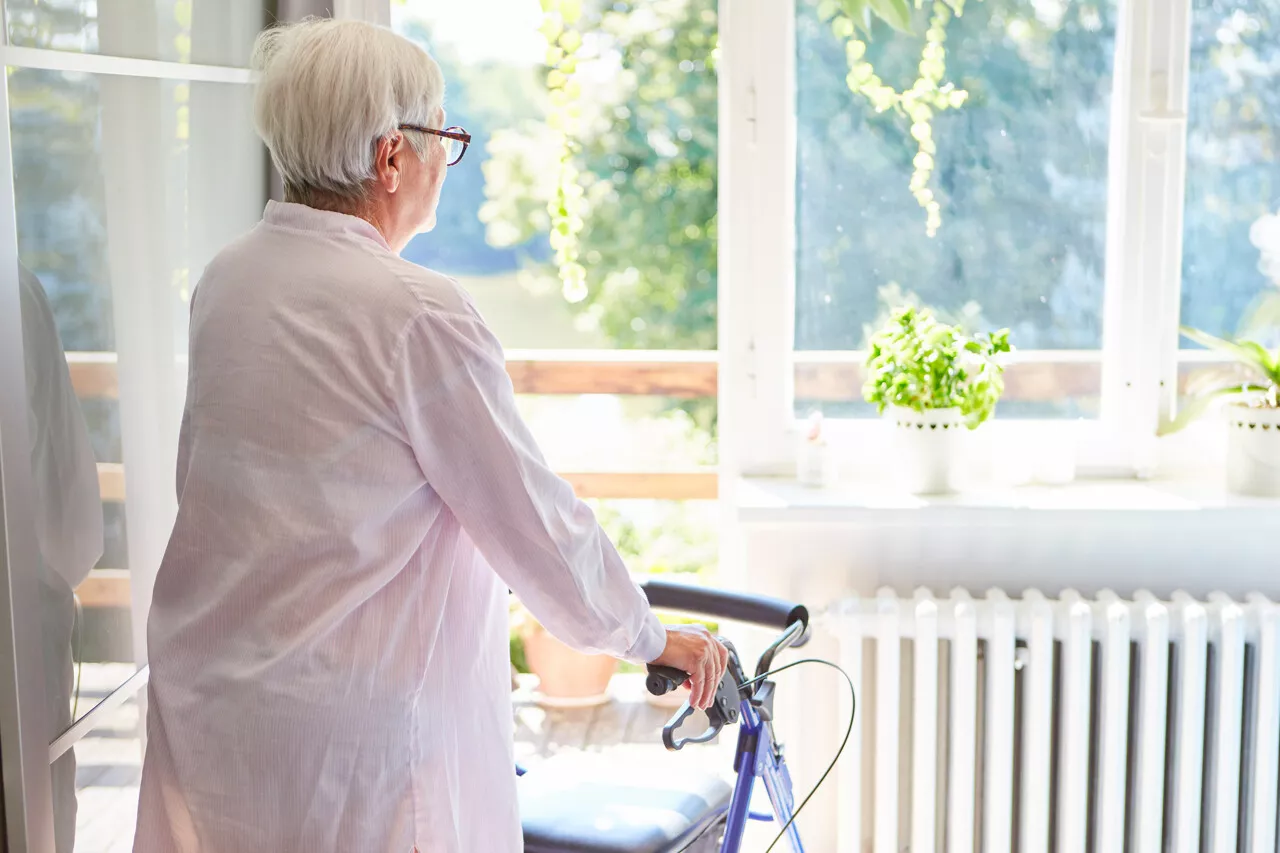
x=455, y=139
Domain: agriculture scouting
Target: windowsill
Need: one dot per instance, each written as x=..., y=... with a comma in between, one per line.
x=778, y=499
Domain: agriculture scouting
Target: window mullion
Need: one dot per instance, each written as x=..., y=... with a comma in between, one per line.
x=1170, y=114
x=757, y=233
x=1145, y=226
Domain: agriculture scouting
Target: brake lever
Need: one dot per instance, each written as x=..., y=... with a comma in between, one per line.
x=723, y=710
x=674, y=744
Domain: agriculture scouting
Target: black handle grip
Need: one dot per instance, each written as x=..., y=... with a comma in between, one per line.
x=735, y=606
x=661, y=680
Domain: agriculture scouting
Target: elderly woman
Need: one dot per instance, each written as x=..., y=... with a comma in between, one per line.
x=328, y=635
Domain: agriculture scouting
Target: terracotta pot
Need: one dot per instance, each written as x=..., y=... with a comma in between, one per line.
x=566, y=676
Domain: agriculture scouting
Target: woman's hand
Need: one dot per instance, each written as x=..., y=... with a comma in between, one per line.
x=691, y=649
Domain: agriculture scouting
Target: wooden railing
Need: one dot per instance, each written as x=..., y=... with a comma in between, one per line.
x=819, y=377
x=679, y=375
x=1030, y=377
x=682, y=375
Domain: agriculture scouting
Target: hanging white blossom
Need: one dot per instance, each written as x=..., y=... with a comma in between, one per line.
x=1265, y=234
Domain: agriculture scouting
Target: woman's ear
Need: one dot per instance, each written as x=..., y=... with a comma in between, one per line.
x=387, y=161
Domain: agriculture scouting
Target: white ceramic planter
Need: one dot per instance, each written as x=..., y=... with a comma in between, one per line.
x=1253, y=451
x=928, y=449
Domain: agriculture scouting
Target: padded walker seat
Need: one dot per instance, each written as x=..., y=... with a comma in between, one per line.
x=580, y=804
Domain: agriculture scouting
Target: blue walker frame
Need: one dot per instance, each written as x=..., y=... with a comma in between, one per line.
x=757, y=756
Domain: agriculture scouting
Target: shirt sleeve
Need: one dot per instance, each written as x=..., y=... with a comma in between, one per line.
x=68, y=506
x=458, y=408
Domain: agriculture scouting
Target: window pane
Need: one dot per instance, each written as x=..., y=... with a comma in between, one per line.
x=647, y=160
x=208, y=32
x=1233, y=164
x=125, y=187
x=1021, y=174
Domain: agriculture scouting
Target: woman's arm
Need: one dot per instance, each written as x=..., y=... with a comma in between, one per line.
x=458, y=409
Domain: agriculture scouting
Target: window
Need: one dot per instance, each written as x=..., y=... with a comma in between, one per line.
x=79, y=200
x=127, y=177
x=1231, y=234
x=1112, y=161
x=208, y=32
x=1021, y=172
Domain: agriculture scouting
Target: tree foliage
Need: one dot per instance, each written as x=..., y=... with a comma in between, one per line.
x=647, y=163
x=1021, y=172
x=1233, y=159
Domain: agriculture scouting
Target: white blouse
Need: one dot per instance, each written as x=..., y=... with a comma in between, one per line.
x=356, y=493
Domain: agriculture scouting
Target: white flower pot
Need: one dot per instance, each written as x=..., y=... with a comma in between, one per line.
x=928, y=449
x=1253, y=451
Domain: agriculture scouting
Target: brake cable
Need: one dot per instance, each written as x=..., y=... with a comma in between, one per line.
x=848, y=732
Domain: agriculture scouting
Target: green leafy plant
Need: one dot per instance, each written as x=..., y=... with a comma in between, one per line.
x=920, y=364
x=646, y=156
x=919, y=102
x=518, y=660
x=1253, y=379
x=567, y=206
x=520, y=621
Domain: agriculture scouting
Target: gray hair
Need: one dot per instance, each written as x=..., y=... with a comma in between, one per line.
x=327, y=91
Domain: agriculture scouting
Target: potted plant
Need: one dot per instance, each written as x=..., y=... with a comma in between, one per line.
x=1251, y=391
x=566, y=677
x=933, y=380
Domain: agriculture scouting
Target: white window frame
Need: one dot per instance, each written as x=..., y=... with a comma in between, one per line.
x=1146, y=172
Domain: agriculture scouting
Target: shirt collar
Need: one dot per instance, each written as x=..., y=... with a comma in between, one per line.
x=301, y=217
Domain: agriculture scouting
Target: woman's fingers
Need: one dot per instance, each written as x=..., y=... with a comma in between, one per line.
x=709, y=680
x=716, y=658
x=691, y=649
x=699, y=679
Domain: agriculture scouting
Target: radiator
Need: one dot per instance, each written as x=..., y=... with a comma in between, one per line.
x=1069, y=724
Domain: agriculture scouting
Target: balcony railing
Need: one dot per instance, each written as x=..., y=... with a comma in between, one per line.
x=682, y=375
x=819, y=377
